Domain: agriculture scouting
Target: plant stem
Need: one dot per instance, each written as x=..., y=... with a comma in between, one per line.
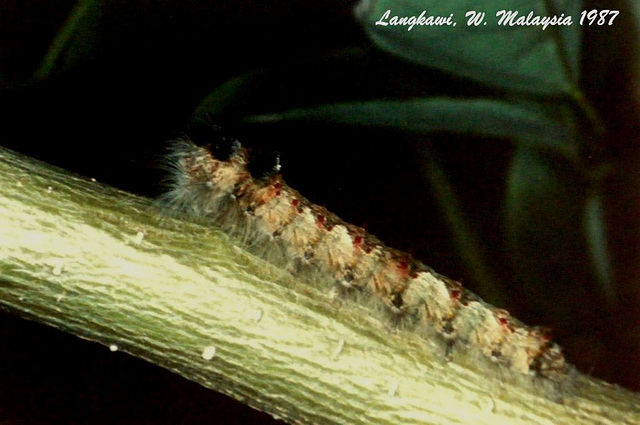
x=110, y=267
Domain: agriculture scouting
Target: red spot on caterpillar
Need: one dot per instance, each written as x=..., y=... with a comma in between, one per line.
x=403, y=267
x=455, y=294
x=546, y=334
x=357, y=241
x=277, y=186
x=320, y=219
x=503, y=319
x=295, y=202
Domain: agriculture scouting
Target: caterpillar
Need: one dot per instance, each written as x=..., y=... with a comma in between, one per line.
x=312, y=240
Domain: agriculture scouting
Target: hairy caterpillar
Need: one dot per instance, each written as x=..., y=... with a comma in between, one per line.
x=310, y=240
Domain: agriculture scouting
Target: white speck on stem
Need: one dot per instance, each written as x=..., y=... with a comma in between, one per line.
x=257, y=315
x=334, y=294
x=209, y=352
x=49, y=189
x=338, y=350
x=393, y=388
x=113, y=347
x=139, y=237
x=57, y=267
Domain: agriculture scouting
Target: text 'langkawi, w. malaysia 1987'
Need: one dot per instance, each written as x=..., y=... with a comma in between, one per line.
x=506, y=18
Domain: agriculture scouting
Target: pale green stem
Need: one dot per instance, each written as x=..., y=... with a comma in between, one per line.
x=109, y=267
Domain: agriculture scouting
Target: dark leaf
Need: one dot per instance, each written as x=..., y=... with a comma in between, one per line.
x=520, y=58
x=522, y=122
